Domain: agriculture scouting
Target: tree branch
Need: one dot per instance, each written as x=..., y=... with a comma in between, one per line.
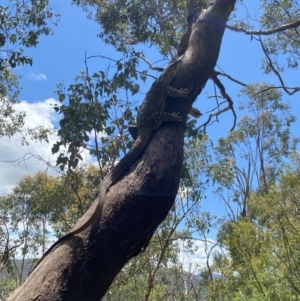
x=265, y=32
x=225, y=96
x=231, y=78
x=294, y=90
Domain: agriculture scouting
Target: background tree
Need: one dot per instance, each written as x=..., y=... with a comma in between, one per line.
x=37, y=203
x=247, y=173
x=249, y=158
x=24, y=215
x=261, y=262
x=22, y=23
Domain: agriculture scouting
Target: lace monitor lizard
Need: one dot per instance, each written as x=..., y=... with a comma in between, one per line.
x=150, y=116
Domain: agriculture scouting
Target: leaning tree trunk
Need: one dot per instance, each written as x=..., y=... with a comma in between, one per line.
x=83, y=267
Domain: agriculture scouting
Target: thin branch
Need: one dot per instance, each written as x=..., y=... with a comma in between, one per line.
x=231, y=78
x=167, y=294
x=5, y=255
x=226, y=97
x=95, y=117
x=275, y=71
x=102, y=56
x=208, y=253
x=127, y=278
x=159, y=69
x=278, y=87
x=265, y=32
x=108, y=58
x=227, y=204
x=29, y=156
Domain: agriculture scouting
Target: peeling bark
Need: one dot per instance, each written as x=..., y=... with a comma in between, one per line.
x=83, y=267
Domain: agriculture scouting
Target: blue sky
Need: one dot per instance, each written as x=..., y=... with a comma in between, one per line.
x=59, y=57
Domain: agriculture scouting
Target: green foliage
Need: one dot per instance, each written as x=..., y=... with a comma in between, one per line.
x=26, y=212
x=11, y=121
x=21, y=24
x=262, y=260
x=22, y=228
x=286, y=43
x=7, y=286
x=131, y=22
x=35, y=203
x=259, y=257
x=248, y=158
x=93, y=109
x=73, y=193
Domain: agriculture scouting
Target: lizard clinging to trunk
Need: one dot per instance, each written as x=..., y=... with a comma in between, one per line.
x=150, y=117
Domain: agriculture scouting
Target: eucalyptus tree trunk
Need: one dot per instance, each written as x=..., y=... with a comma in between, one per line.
x=83, y=267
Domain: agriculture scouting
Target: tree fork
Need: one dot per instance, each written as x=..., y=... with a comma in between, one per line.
x=83, y=267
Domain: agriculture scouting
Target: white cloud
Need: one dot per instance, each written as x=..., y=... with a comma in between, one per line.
x=202, y=252
x=37, y=76
x=16, y=160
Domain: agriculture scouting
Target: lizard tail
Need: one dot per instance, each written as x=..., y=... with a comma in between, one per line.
x=131, y=157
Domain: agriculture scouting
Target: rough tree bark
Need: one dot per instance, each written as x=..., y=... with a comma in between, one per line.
x=83, y=267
